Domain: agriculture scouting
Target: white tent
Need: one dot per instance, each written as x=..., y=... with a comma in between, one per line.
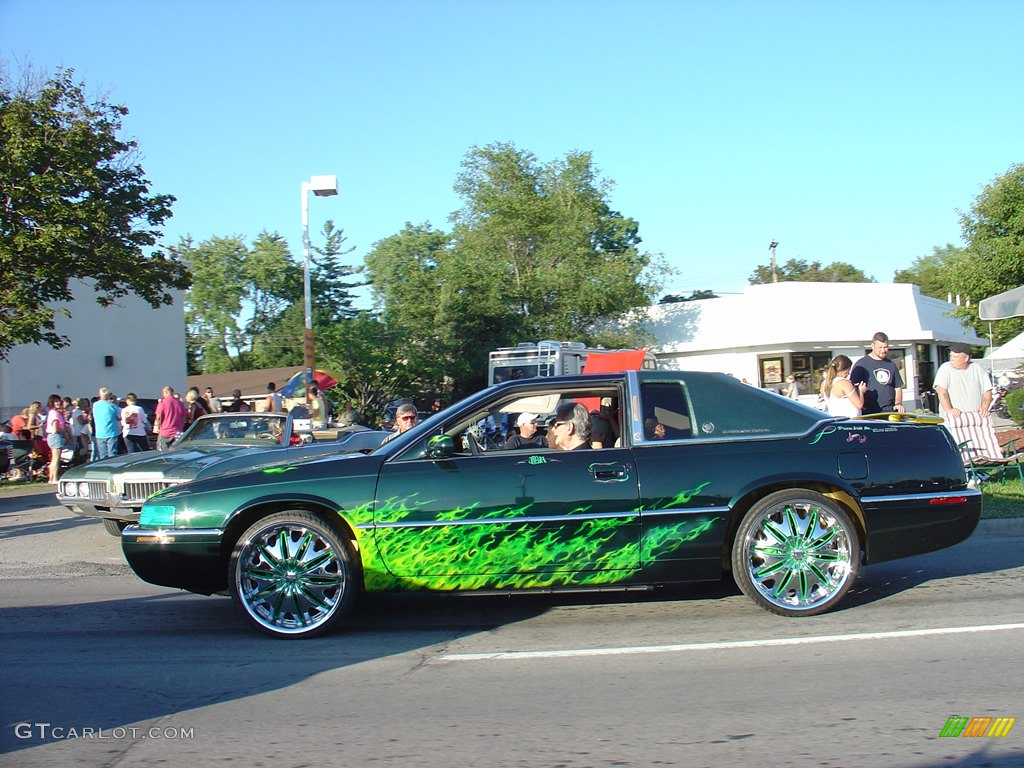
x=1007, y=357
x=1000, y=307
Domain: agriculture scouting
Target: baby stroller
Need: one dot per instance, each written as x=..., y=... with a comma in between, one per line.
x=23, y=463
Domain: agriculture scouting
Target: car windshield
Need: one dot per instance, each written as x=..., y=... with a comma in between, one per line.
x=242, y=427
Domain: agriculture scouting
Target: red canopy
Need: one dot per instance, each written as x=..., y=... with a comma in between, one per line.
x=614, y=362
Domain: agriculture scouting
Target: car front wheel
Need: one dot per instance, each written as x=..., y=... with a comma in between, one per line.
x=292, y=575
x=114, y=527
x=796, y=553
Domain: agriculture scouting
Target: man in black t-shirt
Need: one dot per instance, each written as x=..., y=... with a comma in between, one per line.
x=527, y=437
x=884, y=393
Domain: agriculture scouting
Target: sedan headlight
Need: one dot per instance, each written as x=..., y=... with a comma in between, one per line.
x=69, y=489
x=157, y=515
x=83, y=490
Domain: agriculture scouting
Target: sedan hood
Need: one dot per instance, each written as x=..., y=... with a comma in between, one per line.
x=179, y=463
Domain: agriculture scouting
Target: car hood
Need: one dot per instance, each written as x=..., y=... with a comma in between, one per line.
x=180, y=462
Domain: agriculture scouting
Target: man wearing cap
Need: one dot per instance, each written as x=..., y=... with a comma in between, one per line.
x=962, y=386
x=527, y=437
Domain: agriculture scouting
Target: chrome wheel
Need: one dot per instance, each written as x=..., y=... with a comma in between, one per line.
x=796, y=553
x=291, y=574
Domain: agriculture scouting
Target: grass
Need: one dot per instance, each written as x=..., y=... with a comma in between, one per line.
x=6, y=487
x=1003, y=500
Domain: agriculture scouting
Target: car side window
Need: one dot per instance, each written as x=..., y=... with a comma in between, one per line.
x=665, y=411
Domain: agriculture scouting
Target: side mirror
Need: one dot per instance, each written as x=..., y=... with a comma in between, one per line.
x=440, y=447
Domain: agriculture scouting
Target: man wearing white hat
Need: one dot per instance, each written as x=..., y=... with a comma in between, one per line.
x=527, y=437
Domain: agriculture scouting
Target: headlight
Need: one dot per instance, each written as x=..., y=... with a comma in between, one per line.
x=157, y=515
x=68, y=489
x=83, y=490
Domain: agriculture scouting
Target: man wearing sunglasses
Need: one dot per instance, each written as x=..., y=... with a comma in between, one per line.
x=571, y=428
x=405, y=419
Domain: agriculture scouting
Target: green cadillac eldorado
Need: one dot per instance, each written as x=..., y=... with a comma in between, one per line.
x=705, y=474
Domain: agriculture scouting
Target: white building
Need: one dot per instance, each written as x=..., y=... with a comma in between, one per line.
x=770, y=331
x=128, y=346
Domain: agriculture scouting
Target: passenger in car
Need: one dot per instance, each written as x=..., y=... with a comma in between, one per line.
x=654, y=429
x=527, y=437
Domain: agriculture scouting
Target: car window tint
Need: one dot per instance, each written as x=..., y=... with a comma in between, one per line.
x=665, y=411
x=725, y=407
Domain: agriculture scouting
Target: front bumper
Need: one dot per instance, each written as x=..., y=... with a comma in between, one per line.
x=189, y=559
x=96, y=498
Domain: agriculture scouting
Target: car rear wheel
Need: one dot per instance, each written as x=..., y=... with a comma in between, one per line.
x=796, y=553
x=292, y=574
x=113, y=527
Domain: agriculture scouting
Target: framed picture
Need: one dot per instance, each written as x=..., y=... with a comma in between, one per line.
x=801, y=364
x=771, y=370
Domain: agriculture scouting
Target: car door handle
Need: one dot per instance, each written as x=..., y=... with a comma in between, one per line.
x=609, y=473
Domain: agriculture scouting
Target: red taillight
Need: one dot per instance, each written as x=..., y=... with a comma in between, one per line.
x=949, y=500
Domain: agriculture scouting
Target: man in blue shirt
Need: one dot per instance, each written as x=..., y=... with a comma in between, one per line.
x=106, y=419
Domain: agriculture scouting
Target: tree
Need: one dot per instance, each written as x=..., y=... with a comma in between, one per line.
x=214, y=303
x=274, y=289
x=535, y=252
x=369, y=356
x=676, y=298
x=74, y=204
x=798, y=270
x=932, y=274
x=246, y=308
x=993, y=260
x=331, y=291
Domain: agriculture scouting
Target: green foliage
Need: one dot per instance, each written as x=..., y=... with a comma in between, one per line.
x=932, y=274
x=1015, y=405
x=535, y=252
x=370, y=357
x=264, y=283
x=993, y=261
x=73, y=205
x=694, y=296
x=799, y=270
x=1002, y=500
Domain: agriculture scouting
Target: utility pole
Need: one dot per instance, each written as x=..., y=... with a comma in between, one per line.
x=771, y=249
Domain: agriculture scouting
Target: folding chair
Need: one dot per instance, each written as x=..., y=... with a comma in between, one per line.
x=980, y=451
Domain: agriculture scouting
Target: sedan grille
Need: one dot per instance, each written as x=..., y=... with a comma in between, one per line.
x=142, y=491
x=95, y=492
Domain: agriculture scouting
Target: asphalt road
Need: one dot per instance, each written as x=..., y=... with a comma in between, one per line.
x=99, y=669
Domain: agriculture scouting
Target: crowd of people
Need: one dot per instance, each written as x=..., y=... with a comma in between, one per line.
x=70, y=431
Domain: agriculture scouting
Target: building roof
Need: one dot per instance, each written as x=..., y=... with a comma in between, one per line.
x=252, y=383
x=787, y=314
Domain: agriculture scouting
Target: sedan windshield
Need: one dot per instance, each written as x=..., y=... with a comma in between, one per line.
x=256, y=428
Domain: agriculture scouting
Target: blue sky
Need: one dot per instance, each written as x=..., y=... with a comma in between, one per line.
x=850, y=131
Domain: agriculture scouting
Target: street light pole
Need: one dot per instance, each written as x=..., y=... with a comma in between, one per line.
x=321, y=186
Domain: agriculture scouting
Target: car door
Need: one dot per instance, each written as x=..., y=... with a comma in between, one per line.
x=510, y=518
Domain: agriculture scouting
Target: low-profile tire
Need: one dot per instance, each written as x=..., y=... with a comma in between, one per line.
x=114, y=527
x=292, y=574
x=796, y=553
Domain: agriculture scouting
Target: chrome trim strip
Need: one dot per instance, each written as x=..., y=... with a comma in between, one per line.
x=918, y=496
x=135, y=530
x=543, y=519
x=684, y=511
x=500, y=520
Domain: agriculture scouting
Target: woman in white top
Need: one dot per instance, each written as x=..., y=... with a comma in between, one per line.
x=842, y=398
x=134, y=425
